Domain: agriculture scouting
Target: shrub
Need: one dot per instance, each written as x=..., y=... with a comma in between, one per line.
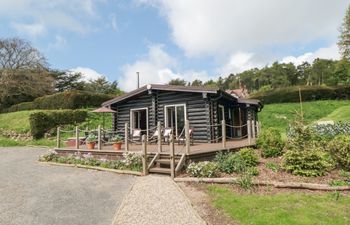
x=253, y=171
x=42, y=122
x=305, y=154
x=202, y=169
x=271, y=143
x=249, y=156
x=245, y=181
x=237, y=162
x=339, y=149
x=51, y=156
x=272, y=166
x=309, y=93
x=63, y=100
x=310, y=162
x=132, y=160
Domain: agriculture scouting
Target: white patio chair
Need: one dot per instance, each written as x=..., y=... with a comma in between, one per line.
x=136, y=135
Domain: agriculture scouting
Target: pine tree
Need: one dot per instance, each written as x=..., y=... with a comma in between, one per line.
x=344, y=37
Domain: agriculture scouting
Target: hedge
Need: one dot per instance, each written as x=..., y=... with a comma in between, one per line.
x=309, y=93
x=63, y=100
x=42, y=122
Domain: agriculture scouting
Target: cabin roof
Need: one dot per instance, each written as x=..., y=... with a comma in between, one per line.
x=162, y=87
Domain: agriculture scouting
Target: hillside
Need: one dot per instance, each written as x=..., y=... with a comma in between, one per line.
x=279, y=115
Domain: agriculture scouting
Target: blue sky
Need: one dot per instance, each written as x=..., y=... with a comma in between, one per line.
x=164, y=39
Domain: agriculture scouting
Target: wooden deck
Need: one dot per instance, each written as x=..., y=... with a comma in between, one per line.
x=196, y=150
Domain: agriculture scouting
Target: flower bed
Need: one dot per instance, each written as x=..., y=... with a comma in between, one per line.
x=129, y=161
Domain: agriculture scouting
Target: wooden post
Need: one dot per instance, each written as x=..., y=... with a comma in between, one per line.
x=253, y=129
x=223, y=132
x=126, y=134
x=144, y=155
x=159, y=129
x=257, y=128
x=77, y=139
x=172, y=156
x=187, y=136
x=249, y=127
x=99, y=143
x=58, y=144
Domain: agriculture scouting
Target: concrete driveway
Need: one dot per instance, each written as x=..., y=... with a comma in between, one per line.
x=33, y=193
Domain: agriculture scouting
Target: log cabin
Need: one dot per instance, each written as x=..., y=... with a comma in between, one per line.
x=203, y=107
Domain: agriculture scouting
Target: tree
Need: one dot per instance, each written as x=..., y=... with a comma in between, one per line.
x=344, y=37
x=177, y=81
x=65, y=80
x=197, y=82
x=211, y=84
x=342, y=72
x=18, y=54
x=103, y=86
x=22, y=86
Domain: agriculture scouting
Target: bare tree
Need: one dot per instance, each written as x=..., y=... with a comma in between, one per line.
x=17, y=54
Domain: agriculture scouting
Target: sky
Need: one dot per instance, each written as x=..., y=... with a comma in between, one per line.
x=167, y=39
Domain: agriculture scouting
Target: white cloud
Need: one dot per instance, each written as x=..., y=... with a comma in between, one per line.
x=222, y=27
x=157, y=67
x=88, y=73
x=33, y=29
x=239, y=62
x=330, y=52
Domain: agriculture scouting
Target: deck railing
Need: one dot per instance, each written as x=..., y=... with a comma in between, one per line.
x=104, y=136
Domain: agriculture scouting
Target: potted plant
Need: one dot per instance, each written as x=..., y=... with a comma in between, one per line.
x=118, y=140
x=91, y=141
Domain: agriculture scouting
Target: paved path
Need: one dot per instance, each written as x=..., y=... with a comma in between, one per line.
x=156, y=200
x=33, y=193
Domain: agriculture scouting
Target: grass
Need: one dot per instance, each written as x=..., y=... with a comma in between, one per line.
x=282, y=208
x=19, y=122
x=8, y=142
x=341, y=114
x=16, y=121
x=280, y=115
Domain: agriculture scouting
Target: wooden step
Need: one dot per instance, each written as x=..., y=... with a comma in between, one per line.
x=166, y=161
x=160, y=170
x=168, y=157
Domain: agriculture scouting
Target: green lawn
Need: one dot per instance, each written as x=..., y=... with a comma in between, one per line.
x=16, y=121
x=282, y=208
x=19, y=122
x=341, y=114
x=280, y=115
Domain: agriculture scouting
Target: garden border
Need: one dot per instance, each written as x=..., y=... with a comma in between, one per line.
x=294, y=185
x=128, y=172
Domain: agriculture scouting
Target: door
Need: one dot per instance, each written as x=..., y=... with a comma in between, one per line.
x=175, y=118
x=139, y=120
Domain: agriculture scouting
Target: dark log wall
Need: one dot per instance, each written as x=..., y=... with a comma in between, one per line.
x=196, y=108
x=123, y=111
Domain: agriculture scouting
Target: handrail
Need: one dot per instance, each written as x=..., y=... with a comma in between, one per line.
x=180, y=163
x=153, y=160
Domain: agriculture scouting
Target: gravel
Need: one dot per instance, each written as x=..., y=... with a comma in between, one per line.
x=156, y=200
x=34, y=193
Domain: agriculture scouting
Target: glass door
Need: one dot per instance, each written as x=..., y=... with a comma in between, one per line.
x=175, y=118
